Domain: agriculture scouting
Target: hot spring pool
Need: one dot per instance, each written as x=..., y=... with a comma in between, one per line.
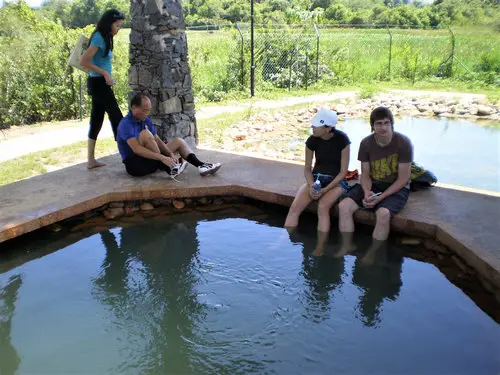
x=191, y=294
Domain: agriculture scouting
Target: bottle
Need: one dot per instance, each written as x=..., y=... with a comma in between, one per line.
x=317, y=186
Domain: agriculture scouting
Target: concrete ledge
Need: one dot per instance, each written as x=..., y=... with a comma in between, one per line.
x=465, y=221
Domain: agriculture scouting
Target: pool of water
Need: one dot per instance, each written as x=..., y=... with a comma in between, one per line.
x=458, y=152
x=226, y=295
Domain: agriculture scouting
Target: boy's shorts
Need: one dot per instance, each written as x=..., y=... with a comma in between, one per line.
x=394, y=203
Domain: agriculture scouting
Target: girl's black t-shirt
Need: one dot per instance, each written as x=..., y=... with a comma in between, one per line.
x=328, y=154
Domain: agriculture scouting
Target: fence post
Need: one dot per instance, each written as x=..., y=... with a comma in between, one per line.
x=317, y=51
x=390, y=50
x=80, y=79
x=242, y=56
x=307, y=68
x=415, y=70
x=252, y=57
x=452, y=51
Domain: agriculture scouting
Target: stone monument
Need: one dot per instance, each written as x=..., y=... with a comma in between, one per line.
x=159, y=66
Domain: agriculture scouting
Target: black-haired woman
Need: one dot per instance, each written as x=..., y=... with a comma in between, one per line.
x=97, y=59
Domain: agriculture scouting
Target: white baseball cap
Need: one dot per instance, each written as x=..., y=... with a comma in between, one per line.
x=324, y=117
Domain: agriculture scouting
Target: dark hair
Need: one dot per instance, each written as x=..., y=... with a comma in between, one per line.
x=104, y=27
x=136, y=100
x=381, y=113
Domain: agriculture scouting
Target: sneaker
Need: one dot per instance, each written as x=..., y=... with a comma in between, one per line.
x=209, y=168
x=178, y=168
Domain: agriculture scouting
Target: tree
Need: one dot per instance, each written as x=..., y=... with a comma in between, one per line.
x=339, y=13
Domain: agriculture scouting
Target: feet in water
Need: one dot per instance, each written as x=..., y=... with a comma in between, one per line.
x=94, y=164
x=347, y=245
x=318, y=251
x=344, y=250
x=209, y=168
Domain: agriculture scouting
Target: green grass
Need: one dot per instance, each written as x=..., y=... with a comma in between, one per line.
x=356, y=57
x=45, y=161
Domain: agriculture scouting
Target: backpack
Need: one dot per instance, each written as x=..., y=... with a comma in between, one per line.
x=421, y=178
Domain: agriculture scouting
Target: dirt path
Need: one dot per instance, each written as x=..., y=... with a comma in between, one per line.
x=22, y=140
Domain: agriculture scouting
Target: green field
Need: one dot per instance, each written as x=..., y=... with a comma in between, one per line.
x=37, y=85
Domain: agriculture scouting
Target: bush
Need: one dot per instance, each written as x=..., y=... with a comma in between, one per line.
x=36, y=84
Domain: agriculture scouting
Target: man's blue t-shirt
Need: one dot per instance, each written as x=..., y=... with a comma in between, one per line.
x=103, y=62
x=128, y=128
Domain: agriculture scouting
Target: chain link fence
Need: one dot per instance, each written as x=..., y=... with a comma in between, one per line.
x=299, y=56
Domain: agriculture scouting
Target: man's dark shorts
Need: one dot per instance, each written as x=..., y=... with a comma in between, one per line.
x=138, y=166
x=394, y=203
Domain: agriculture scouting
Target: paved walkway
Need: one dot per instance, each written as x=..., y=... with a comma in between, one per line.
x=17, y=142
x=20, y=141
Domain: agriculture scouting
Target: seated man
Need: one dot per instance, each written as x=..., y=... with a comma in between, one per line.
x=385, y=158
x=143, y=152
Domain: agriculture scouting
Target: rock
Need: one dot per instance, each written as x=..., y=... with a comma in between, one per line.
x=146, y=206
x=459, y=263
x=116, y=204
x=89, y=214
x=435, y=246
x=55, y=228
x=481, y=101
x=423, y=108
x=341, y=109
x=483, y=110
x=131, y=209
x=132, y=219
x=179, y=204
x=239, y=137
x=233, y=199
x=439, y=110
x=100, y=228
x=410, y=241
x=162, y=202
x=112, y=213
x=82, y=226
x=204, y=201
x=218, y=201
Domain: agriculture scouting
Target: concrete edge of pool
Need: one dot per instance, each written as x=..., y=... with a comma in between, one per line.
x=465, y=221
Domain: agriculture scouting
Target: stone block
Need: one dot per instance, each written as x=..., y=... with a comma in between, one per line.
x=145, y=77
x=135, y=37
x=132, y=76
x=172, y=105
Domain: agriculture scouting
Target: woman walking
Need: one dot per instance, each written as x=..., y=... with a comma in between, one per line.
x=97, y=59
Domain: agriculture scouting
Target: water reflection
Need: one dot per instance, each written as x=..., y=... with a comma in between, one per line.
x=378, y=280
x=148, y=281
x=9, y=359
x=322, y=275
x=376, y=272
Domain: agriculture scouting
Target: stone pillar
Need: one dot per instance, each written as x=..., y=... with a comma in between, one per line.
x=159, y=66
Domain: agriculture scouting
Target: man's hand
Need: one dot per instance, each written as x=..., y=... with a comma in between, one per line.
x=169, y=162
x=370, y=201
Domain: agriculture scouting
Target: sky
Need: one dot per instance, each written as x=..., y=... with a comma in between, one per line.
x=31, y=3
